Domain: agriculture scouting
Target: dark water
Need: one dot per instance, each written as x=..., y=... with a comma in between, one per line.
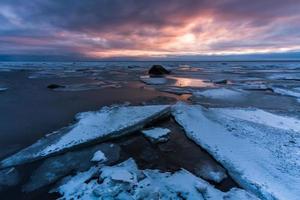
x=28, y=110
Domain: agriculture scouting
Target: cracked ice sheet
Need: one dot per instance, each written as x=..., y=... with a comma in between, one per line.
x=126, y=181
x=260, y=150
x=109, y=122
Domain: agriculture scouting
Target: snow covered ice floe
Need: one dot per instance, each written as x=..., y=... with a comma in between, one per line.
x=157, y=135
x=260, y=150
x=91, y=127
x=126, y=181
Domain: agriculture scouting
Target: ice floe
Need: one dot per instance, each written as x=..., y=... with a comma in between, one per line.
x=3, y=89
x=285, y=76
x=126, y=181
x=219, y=94
x=85, y=86
x=91, y=127
x=260, y=150
x=54, y=168
x=294, y=92
x=157, y=135
x=153, y=80
x=98, y=156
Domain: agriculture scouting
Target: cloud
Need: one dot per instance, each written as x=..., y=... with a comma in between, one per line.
x=142, y=28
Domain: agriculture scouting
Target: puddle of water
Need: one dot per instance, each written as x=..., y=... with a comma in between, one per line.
x=189, y=82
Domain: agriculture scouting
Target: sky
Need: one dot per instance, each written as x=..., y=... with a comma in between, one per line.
x=149, y=29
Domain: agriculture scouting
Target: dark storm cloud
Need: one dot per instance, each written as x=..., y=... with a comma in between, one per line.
x=67, y=26
x=98, y=14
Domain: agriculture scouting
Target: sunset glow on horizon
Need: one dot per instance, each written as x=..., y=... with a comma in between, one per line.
x=157, y=29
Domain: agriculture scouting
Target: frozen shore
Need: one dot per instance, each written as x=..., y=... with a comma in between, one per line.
x=236, y=136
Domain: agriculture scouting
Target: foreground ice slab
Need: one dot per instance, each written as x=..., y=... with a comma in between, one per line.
x=91, y=127
x=260, y=150
x=126, y=181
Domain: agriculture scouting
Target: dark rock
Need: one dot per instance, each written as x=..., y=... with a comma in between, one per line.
x=132, y=66
x=158, y=70
x=222, y=82
x=55, y=86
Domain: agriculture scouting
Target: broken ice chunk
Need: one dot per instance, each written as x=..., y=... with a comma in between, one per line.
x=76, y=185
x=126, y=181
x=125, y=172
x=99, y=156
x=91, y=127
x=212, y=173
x=157, y=135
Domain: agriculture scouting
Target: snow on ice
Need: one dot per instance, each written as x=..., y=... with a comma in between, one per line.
x=260, y=150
